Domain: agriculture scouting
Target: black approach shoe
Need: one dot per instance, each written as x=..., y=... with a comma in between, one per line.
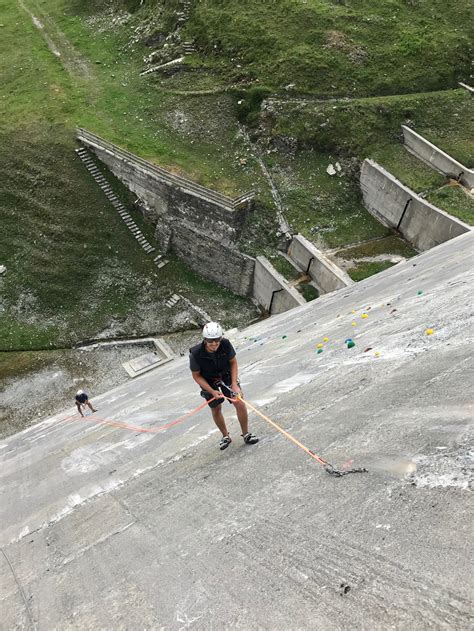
x=225, y=442
x=249, y=438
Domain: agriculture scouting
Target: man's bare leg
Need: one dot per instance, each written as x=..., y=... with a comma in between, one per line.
x=219, y=420
x=90, y=405
x=242, y=415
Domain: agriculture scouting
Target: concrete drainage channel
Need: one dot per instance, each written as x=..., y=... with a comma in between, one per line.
x=91, y=166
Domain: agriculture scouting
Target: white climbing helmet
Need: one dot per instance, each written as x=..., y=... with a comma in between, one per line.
x=212, y=330
x=79, y=392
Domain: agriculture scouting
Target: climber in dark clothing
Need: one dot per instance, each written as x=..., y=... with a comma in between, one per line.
x=82, y=399
x=214, y=368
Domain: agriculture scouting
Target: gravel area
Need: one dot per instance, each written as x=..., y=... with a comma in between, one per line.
x=27, y=399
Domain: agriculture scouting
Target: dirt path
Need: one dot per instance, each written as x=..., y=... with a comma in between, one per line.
x=74, y=64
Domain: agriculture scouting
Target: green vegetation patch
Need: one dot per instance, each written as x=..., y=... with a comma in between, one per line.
x=376, y=247
x=364, y=270
x=356, y=47
x=362, y=126
x=454, y=201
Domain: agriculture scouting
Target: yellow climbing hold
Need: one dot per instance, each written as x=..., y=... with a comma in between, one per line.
x=364, y=315
x=377, y=354
x=353, y=311
x=429, y=331
x=325, y=339
x=354, y=323
x=319, y=345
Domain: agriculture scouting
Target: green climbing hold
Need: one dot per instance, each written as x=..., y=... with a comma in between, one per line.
x=320, y=350
x=420, y=293
x=350, y=344
x=283, y=337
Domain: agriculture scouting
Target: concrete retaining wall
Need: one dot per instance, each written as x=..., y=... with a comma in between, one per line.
x=436, y=158
x=217, y=262
x=325, y=274
x=396, y=206
x=201, y=226
x=272, y=291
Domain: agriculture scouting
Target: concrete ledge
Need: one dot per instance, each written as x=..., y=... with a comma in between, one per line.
x=148, y=361
x=272, y=291
x=466, y=87
x=326, y=275
x=97, y=143
x=436, y=158
x=397, y=206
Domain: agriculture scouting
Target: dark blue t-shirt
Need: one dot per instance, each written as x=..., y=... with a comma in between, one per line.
x=81, y=398
x=212, y=365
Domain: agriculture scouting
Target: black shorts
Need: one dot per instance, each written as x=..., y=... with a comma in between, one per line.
x=225, y=381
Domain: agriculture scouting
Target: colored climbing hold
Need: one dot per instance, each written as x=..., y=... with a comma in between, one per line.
x=420, y=293
x=349, y=339
x=364, y=316
x=283, y=337
x=369, y=348
x=320, y=350
x=325, y=339
x=429, y=331
x=353, y=311
x=319, y=345
x=350, y=344
x=354, y=323
x=377, y=354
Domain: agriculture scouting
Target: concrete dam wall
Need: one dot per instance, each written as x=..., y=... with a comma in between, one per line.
x=436, y=158
x=396, y=206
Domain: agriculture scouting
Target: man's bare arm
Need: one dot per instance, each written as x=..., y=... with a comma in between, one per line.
x=234, y=374
x=204, y=384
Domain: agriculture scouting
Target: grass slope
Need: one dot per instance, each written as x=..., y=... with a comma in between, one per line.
x=73, y=269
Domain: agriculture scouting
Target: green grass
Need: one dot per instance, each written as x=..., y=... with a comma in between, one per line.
x=363, y=126
x=454, y=201
x=326, y=209
x=284, y=267
x=72, y=265
x=407, y=168
x=376, y=247
x=364, y=270
x=362, y=47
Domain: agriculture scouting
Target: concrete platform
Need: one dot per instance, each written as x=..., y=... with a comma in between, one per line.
x=103, y=527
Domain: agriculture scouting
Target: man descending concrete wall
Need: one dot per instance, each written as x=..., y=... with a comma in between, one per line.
x=185, y=213
x=396, y=206
x=272, y=291
x=325, y=274
x=436, y=158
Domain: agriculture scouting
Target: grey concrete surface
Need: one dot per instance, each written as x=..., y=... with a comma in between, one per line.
x=107, y=528
x=324, y=272
x=397, y=206
x=436, y=158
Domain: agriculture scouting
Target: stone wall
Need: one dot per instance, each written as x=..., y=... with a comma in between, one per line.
x=223, y=264
x=272, y=291
x=396, y=206
x=436, y=158
x=185, y=214
x=325, y=274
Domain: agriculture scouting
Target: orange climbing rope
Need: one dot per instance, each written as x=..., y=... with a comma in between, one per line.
x=134, y=428
x=328, y=467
